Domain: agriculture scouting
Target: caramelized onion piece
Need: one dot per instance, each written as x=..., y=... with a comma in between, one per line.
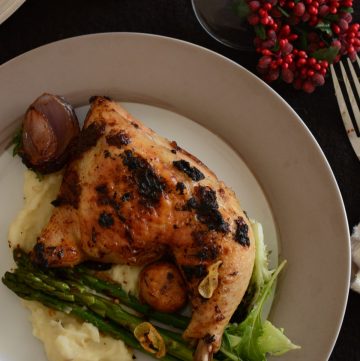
x=49, y=129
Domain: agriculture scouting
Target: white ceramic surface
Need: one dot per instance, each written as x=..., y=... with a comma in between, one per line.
x=8, y=7
x=244, y=113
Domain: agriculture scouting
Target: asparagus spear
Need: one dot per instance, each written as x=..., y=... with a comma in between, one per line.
x=115, y=290
x=73, y=290
x=13, y=282
x=82, y=274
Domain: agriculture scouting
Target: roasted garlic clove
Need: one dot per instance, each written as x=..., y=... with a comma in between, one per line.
x=210, y=283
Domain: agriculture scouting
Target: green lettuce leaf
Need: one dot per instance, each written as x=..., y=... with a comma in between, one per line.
x=273, y=341
x=254, y=338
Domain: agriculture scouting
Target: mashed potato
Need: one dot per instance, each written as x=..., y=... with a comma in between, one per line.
x=64, y=338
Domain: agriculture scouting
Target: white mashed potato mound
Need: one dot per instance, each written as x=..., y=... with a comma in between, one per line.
x=64, y=337
x=128, y=276
x=36, y=211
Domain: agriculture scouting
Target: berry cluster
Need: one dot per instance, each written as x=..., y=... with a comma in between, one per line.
x=298, y=39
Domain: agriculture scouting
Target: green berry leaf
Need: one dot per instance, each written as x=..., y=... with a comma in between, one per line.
x=347, y=9
x=241, y=8
x=328, y=54
x=260, y=31
x=325, y=27
x=286, y=14
x=332, y=18
x=276, y=47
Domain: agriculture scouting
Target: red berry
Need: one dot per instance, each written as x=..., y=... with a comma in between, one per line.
x=352, y=56
x=268, y=44
x=264, y=62
x=302, y=54
x=253, y=19
x=273, y=75
x=267, y=6
x=301, y=62
x=355, y=27
x=271, y=34
x=303, y=73
x=310, y=73
x=305, y=18
x=336, y=43
x=318, y=79
x=274, y=65
x=308, y=87
x=263, y=13
x=287, y=75
x=323, y=10
x=343, y=24
x=282, y=43
x=324, y=64
x=266, y=52
x=347, y=17
x=312, y=10
x=290, y=4
x=285, y=30
x=254, y=5
x=332, y=10
x=311, y=61
x=313, y=20
x=287, y=49
x=335, y=28
x=264, y=21
x=299, y=9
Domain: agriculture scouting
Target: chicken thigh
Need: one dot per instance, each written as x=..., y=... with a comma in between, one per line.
x=130, y=196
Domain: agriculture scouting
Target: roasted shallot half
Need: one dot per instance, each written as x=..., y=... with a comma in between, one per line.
x=49, y=129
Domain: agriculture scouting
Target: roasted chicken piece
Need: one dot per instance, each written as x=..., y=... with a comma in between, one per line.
x=131, y=196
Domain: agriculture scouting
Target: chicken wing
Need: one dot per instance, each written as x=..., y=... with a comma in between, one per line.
x=131, y=196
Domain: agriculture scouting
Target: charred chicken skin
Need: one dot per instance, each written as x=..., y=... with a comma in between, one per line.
x=130, y=196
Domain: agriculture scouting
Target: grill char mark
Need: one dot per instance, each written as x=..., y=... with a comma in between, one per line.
x=150, y=186
x=192, y=172
x=207, y=209
x=241, y=233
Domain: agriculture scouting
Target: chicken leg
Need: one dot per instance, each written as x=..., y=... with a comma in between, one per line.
x=131, y=196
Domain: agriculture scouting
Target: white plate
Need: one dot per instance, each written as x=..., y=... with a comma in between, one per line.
x=8, y=7
x=257, y=135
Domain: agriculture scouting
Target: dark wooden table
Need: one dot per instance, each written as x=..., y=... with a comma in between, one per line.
x=40, y=22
